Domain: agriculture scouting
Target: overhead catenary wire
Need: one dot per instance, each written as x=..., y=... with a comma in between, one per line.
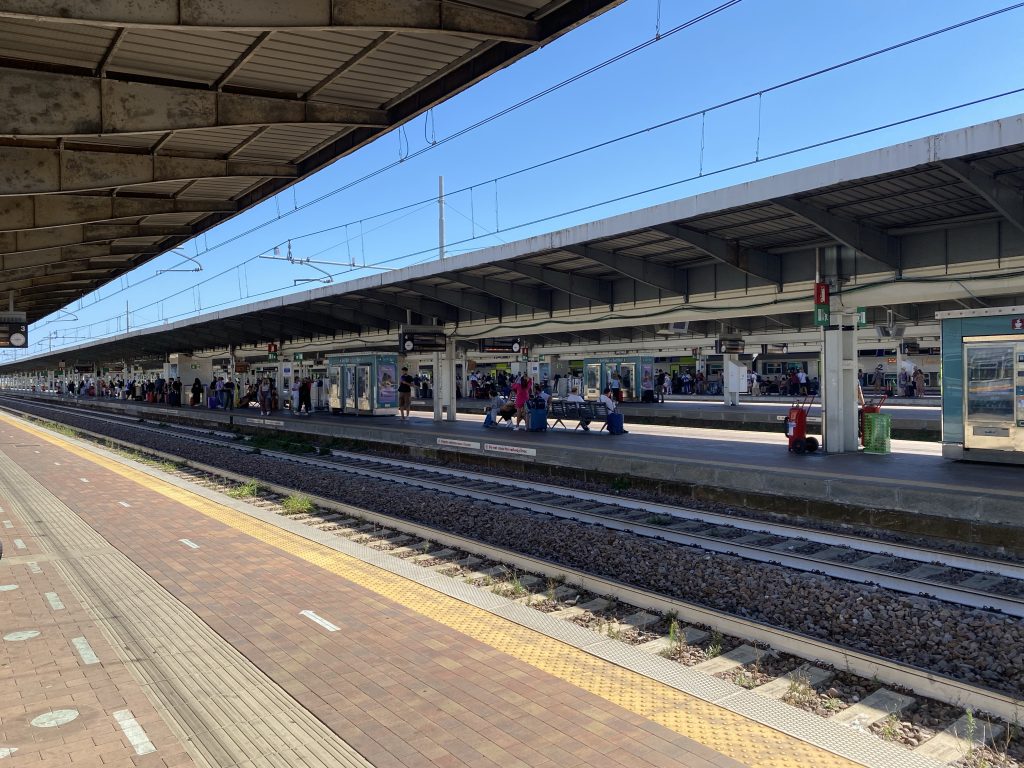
x=431, y=250
x=600, y=145
x=593, y=147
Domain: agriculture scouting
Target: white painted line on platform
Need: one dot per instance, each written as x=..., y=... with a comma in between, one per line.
x=516, y=450
x=85, y=650
x=34, y=568
x=8, y=587
x=124, y=503
x=458, y=443
x=19, y=544
x=319, y=620
x=8, y=524
x=189, y=543
x=54, y=601
x=35, y=451
x=135, y=733
x=56, y=463
x=84, y=480
x=7, y=751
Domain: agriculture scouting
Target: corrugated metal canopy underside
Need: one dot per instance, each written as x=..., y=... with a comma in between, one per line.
x=131, y=127
x=764, y=242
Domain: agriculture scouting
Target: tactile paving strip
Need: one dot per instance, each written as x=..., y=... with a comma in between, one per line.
x=743, y=738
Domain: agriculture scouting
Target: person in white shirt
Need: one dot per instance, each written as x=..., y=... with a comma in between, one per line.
x=574, y=397
x=607, y=399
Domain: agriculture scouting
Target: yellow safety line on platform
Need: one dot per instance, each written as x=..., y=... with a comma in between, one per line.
x=728, y=733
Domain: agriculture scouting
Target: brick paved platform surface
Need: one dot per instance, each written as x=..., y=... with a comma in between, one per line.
x=195, y=612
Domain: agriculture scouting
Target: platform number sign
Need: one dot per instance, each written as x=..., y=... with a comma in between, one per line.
x=13, y=335
x=862, y=316
x=821, y=315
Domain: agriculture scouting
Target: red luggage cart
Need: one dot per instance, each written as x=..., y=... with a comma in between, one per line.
x=796, y=427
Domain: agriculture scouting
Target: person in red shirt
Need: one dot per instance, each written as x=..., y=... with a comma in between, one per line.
x=521, y=393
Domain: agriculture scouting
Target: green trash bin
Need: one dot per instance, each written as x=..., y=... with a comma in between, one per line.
x=877, y=433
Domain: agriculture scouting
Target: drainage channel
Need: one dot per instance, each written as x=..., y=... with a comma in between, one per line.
x=973, y=582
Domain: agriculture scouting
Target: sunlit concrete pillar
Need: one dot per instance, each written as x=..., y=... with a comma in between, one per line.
x=451, y=377
x=436, y=385
x=839, y=383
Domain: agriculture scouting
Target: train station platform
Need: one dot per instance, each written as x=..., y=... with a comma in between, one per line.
x=912, y=489
x=912, y=419
x=151, y=622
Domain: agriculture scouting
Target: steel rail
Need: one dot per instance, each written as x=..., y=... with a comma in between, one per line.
x=918, y=680
x=440, y=479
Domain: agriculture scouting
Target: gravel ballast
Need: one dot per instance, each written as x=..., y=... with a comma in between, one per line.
x=979, y=647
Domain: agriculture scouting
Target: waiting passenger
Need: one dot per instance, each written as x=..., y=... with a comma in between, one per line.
x=492, y=415
x=265, y=395
x=574, y=397
x=197, y=393
x=607, y=398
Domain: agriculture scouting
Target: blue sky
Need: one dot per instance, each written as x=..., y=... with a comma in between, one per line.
x=747, y=48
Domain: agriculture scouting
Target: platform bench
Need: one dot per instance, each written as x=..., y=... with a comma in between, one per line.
x=583, y=413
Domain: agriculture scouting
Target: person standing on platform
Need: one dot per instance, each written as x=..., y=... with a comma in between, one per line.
x=616, y=386
x=918, y=379
x=405, y=382
x=660, y=382
x=521, y=393
x=306, y=396
x=197, y=392
x=264, y=396
x=295, y=396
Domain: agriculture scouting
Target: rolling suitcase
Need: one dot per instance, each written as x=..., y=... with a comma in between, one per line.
x=616, y=424
x=537, y=420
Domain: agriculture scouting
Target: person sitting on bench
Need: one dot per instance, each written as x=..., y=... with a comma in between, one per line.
x=574, y=397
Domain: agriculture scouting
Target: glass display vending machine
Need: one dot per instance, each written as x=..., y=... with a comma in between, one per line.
x=364, y=385
x=983, y=384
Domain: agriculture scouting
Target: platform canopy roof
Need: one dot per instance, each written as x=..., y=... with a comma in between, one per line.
x=943, y=202
x=131, y=126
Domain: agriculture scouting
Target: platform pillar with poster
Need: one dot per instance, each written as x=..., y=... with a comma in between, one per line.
x=839, y=378
x=734, y=379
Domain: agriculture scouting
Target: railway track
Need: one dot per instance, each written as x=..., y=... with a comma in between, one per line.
x=462, y=557
x=964, y=580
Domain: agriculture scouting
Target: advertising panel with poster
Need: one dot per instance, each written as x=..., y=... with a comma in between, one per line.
x=387, y=389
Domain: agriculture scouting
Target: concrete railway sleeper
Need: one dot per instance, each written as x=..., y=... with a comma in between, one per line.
x=972, y=581
x=860, y=690
x=955, y=641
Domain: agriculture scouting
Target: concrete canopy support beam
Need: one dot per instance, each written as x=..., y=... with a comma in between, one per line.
x=1007, y=200
x=46, y=104
x=329, y=316
x=35, y=211
x=410, y=16
x=526, y=295
x=471, y=302
x=756, y=263
x=660, y=276
x=445, y=313
x=873, y=243
x=92, y=251
x=25, y=170
x=31, y=240
x=387, y=313
x=589, y=288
